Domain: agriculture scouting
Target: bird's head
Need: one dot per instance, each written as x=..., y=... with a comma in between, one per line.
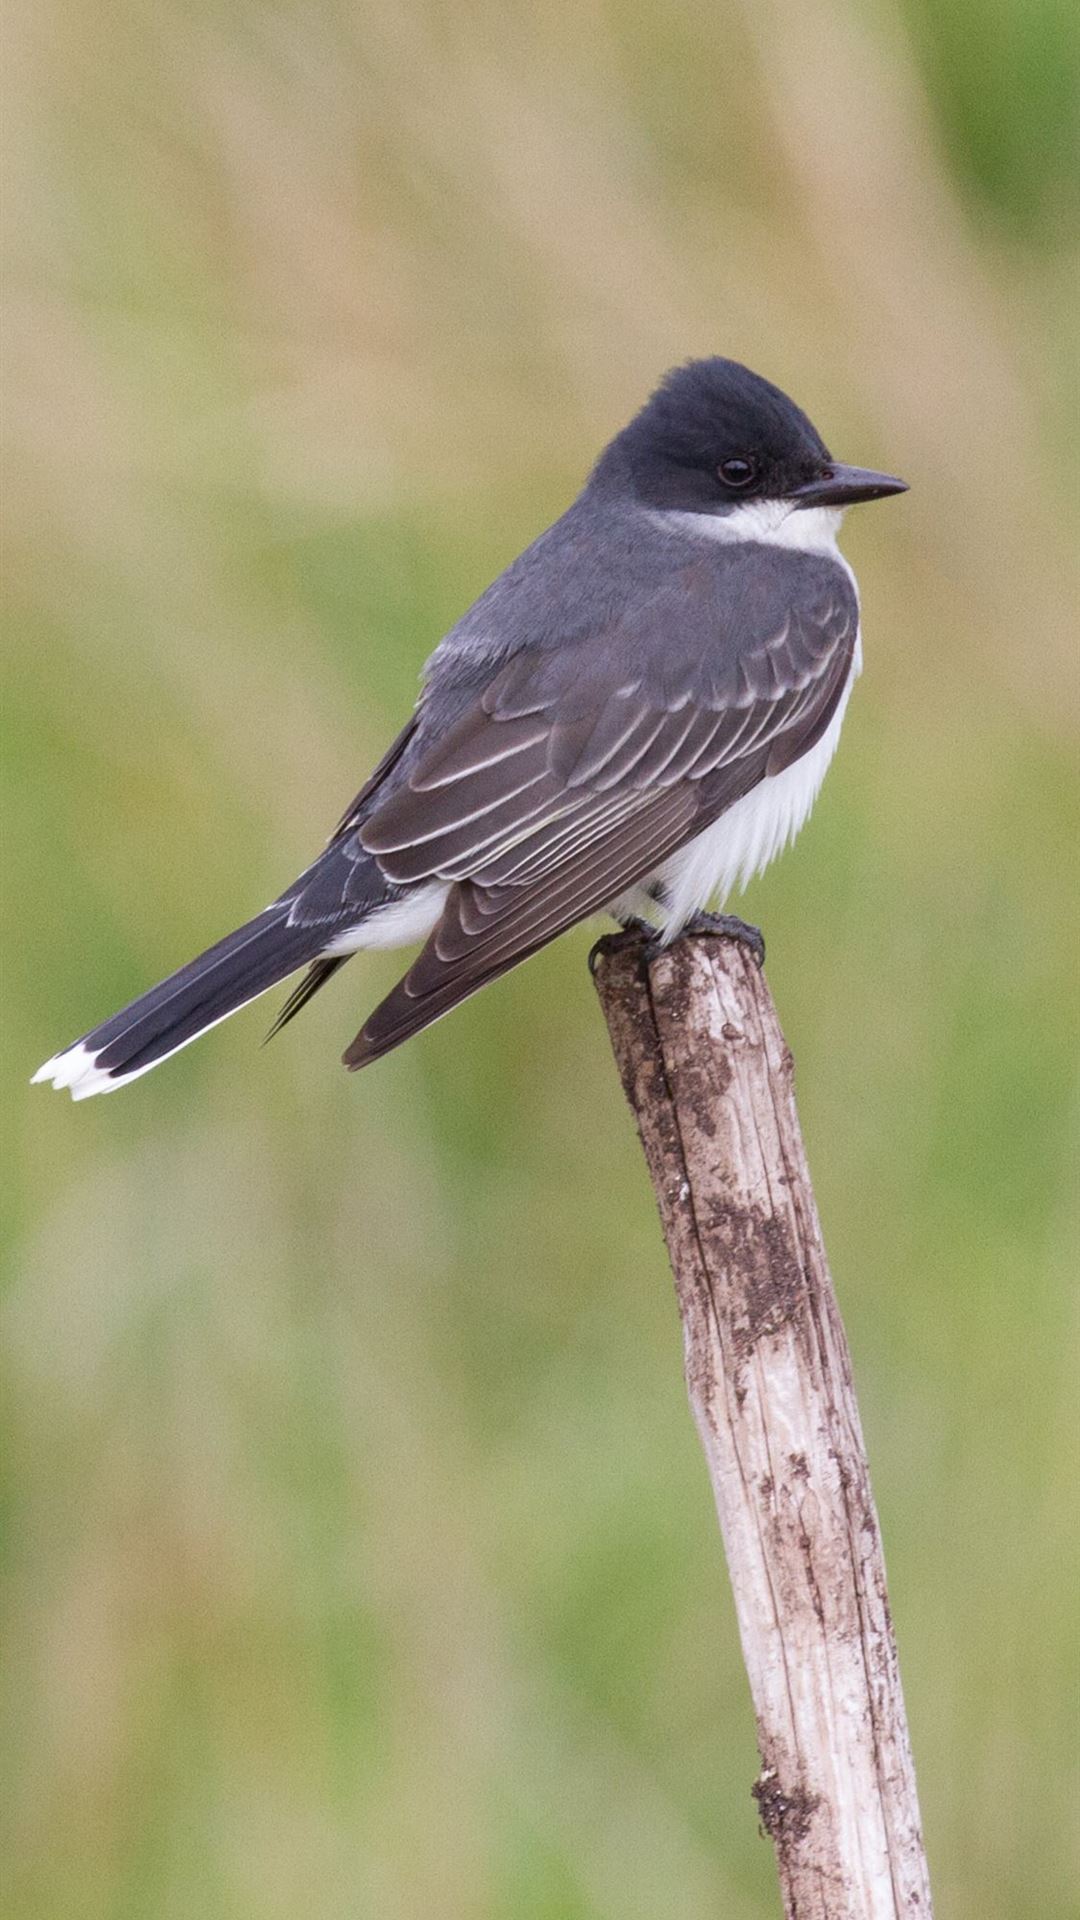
x=715, y=437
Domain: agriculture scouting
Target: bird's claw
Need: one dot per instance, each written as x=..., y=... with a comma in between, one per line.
x=636, y=934
x=727, y=926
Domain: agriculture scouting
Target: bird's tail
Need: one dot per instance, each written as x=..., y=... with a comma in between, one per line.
x=178, y=1009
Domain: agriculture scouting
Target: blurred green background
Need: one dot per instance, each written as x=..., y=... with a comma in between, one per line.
x=360, y=1558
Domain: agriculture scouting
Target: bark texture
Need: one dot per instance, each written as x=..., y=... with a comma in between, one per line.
x=709, y=1077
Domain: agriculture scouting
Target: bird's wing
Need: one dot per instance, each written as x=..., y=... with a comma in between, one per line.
x=578, y=770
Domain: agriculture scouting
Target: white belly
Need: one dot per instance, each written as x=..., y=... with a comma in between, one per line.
x=750, y=834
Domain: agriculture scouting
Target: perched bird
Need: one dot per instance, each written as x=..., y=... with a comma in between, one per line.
x=636, y=716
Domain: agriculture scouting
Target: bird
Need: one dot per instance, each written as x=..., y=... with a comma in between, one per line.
x=634, y=718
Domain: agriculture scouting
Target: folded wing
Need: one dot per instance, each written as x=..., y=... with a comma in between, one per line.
x=578, y=770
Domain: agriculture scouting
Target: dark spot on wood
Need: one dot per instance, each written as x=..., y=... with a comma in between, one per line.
x=786, y=1813
x=700, y=1379
x=842, y=1469
x=757, y=1252
x=729, y=1032
x=798, y=1465
x=766, y=1482
x=698, y=1088
x=807, y=1552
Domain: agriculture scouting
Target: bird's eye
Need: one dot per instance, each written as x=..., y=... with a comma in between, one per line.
x=737, y=473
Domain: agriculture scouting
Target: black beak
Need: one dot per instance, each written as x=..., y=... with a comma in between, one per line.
x=838, y=486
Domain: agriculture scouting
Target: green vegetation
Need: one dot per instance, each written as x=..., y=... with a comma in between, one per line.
x=360, y=1557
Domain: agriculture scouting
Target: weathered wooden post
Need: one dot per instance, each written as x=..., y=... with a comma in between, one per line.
x=709, y=1077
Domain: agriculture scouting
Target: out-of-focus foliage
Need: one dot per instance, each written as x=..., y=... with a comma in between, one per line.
x=360, y=1558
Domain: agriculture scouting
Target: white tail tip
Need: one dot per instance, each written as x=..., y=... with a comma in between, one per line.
x=77, y=1069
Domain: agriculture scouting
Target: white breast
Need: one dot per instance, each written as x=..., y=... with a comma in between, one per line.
x=751, y=833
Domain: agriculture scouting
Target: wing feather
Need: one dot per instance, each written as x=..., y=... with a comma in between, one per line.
x=470, y=749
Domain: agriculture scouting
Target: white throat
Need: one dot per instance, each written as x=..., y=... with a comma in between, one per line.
x=772, y=523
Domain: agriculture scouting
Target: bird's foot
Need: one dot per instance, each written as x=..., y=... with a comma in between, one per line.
x=726, y=926
x=633, y=934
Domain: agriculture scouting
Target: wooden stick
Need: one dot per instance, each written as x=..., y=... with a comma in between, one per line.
x=709, y=1077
